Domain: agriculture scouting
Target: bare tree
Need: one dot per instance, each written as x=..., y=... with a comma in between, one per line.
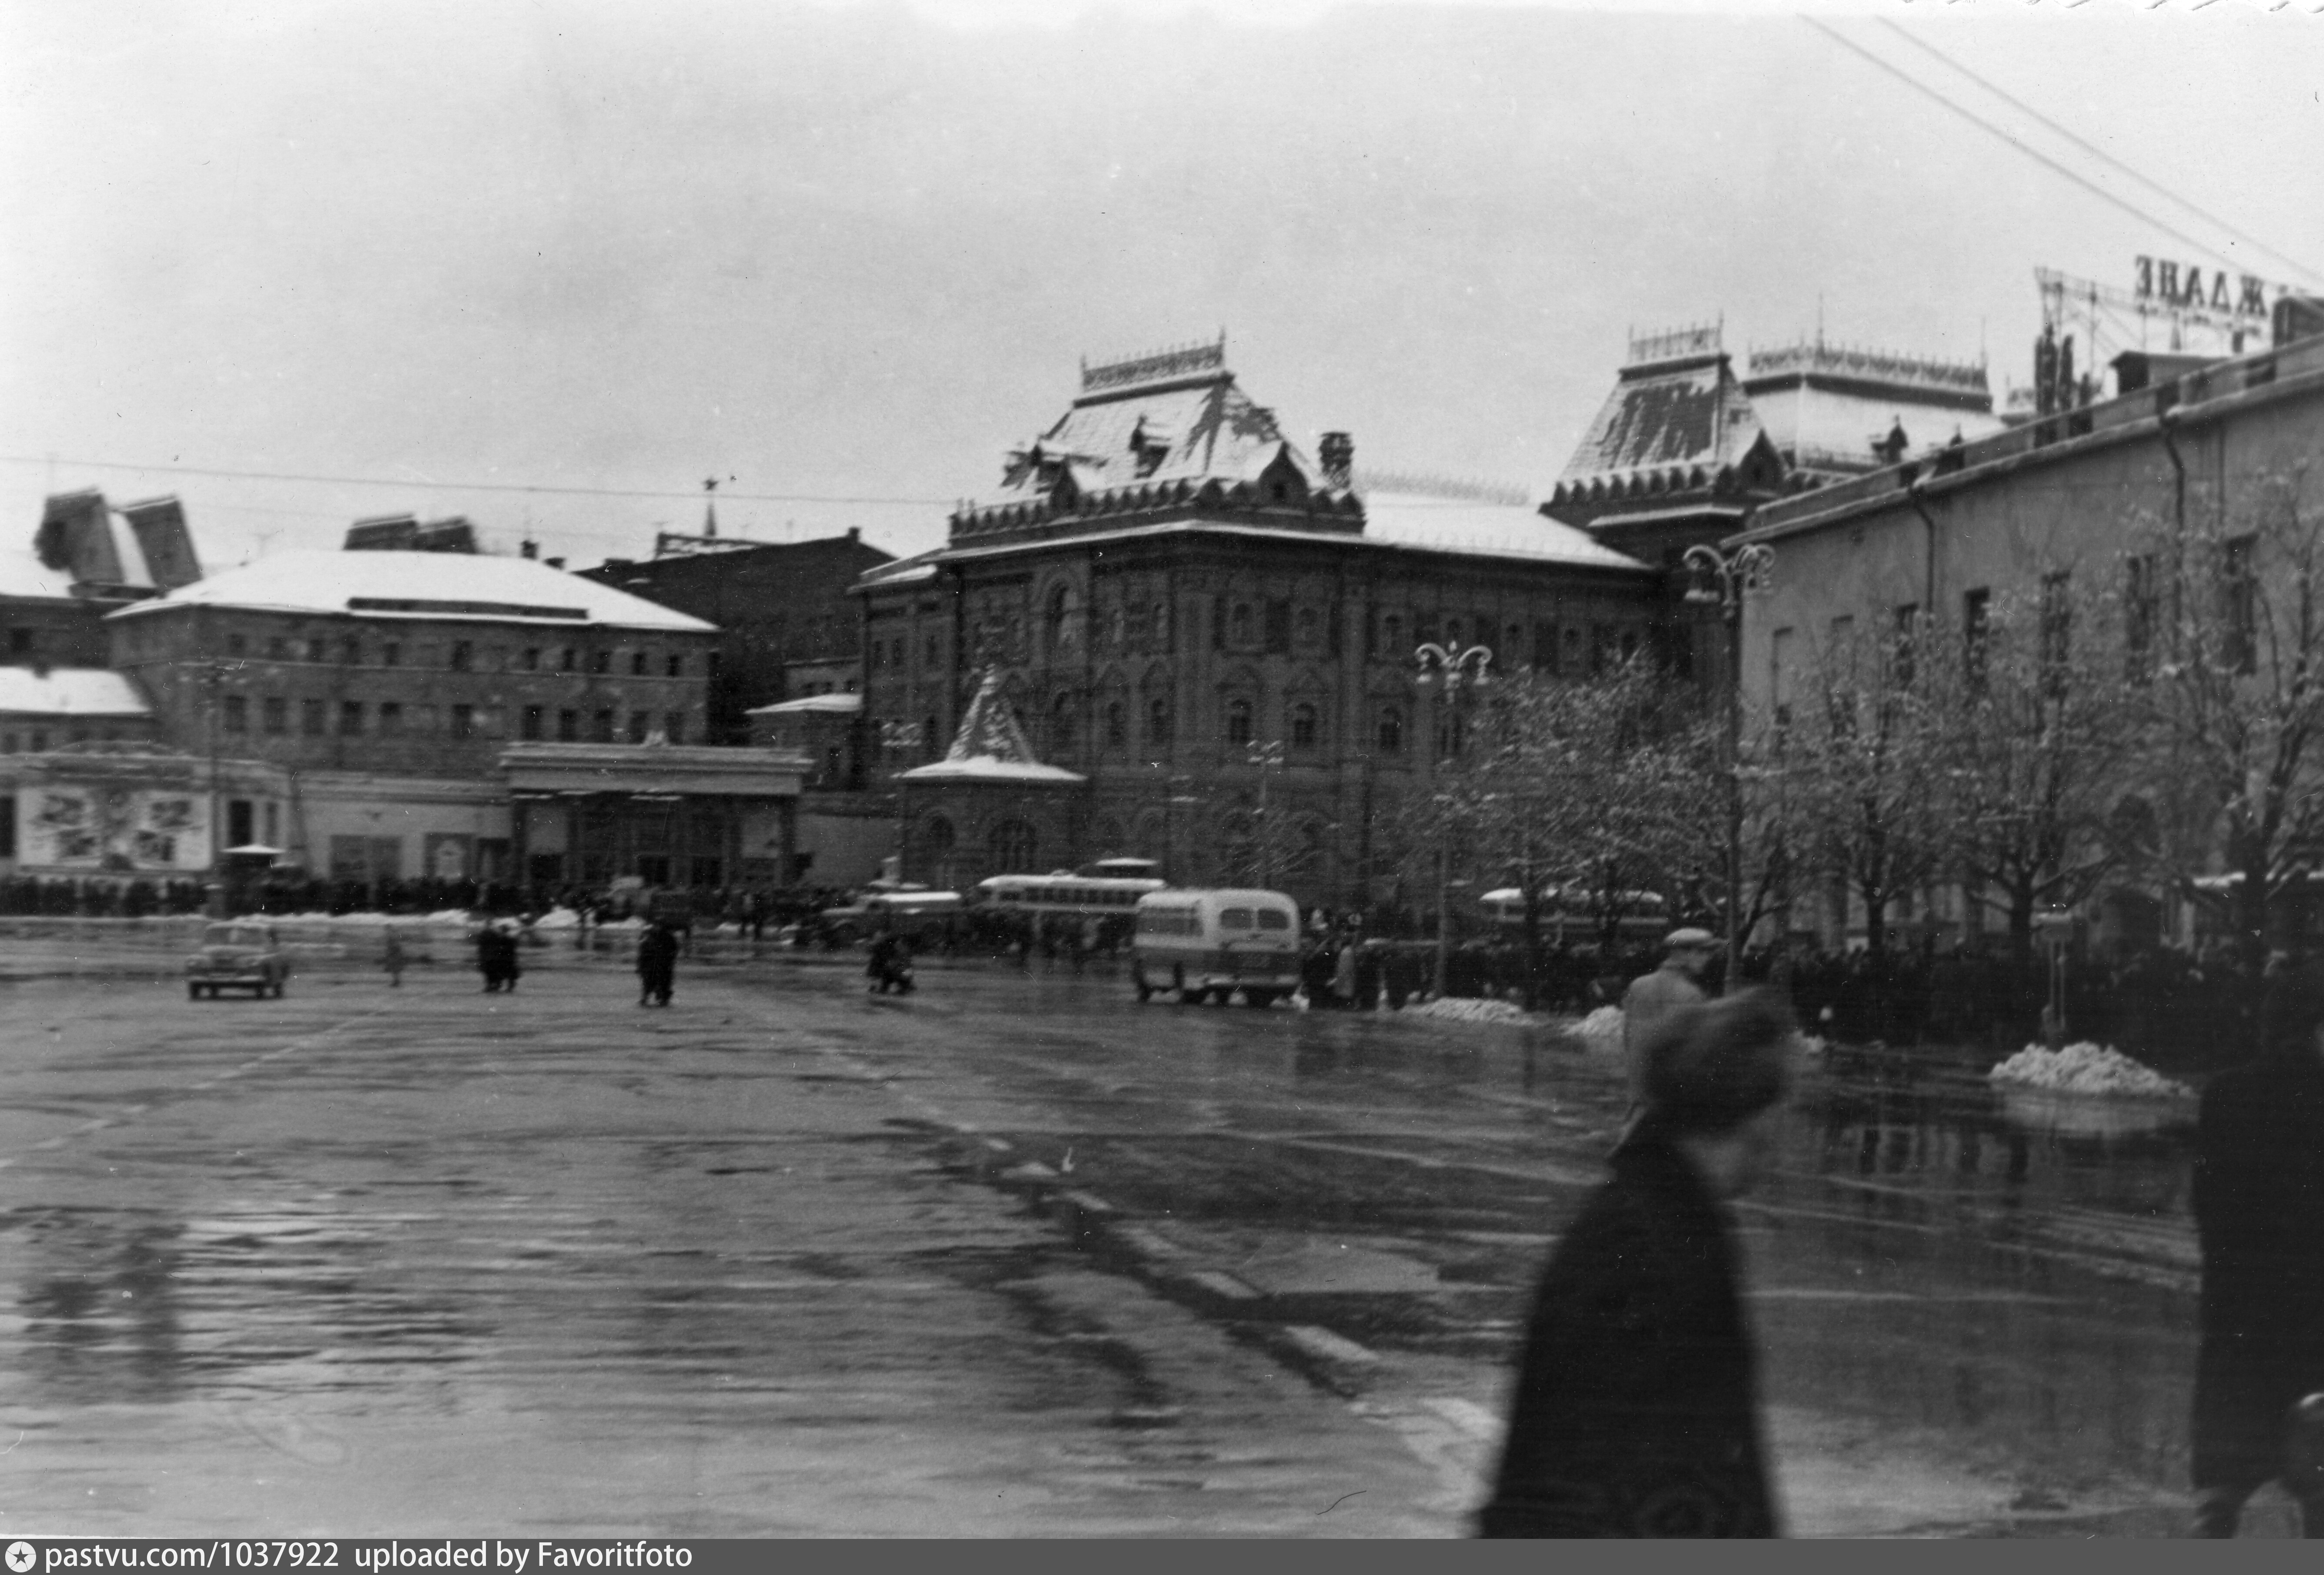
x=1863, y=759
x=2223, y=628
x=2032, y=730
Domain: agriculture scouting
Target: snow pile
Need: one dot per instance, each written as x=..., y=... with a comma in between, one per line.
x=2086, y=1068
x=1464, y=1009
x=1812, y=1045
x=556, y=918
x=1601, y=1030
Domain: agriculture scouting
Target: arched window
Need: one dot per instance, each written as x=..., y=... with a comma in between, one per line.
x=1392, y=637
x=1060, y=619
x=1303, y=726
x=1116, y=725
x=1157, y=721
x=1011, y=848
x=1238, y=721
x=1061, y=724
x=1389, y=731
x=1239, y=623
x=937, y=836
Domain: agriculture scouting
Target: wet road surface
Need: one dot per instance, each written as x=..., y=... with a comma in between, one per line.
x=1011, y=1256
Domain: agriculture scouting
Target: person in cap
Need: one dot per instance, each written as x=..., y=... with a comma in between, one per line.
x=1636, y=1411
x=1652, y=997
x=2259, y=1222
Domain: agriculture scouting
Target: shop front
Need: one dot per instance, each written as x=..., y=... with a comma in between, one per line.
x=593, y=819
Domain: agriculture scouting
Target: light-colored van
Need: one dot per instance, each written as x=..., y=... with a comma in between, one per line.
x=1208, y=944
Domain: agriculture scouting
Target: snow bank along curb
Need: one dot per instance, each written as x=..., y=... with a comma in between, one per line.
x=2086, y=1068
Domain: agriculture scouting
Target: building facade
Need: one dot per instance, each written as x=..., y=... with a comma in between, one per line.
x=2074, y=499
x=1215, y=634
x=779, y=607
x=387, y=685
x=87, y=559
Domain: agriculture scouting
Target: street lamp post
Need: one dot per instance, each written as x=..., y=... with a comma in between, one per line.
x=1722, y=581
x=1454, y=661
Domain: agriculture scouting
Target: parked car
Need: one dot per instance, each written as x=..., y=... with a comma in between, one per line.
x=239, y=955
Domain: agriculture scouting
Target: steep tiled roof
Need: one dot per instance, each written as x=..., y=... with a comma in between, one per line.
x=1683, y=418
x=1160, y=431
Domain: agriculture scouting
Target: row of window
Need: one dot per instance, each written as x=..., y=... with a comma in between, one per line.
x=1276, y=627
x=1305, y=720
x=38, y=740
x=393, y=719
x=461, y=656
x=2143, y=623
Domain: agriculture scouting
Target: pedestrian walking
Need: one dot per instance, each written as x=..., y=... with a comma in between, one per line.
x=1637, y=1412
x=1343, y=973
x=657, y=963
x=2259, y=1220
x=1652, y=997
x=394, y=961
x=488, y=957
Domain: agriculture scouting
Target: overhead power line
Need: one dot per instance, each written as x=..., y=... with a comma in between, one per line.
x=2093, y=188
x=451, y=486
x=2096, y=151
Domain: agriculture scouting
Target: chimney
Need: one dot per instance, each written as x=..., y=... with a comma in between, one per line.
x=1338, y=453
x=555, y=563
x=854, y=533
x=530, y=549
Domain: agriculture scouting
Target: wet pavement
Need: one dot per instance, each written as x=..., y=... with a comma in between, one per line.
x=1011, y=1256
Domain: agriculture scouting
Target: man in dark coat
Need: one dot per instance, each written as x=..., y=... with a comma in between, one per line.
x=657, y=963
x=2259, y=1214
x=1636, y=1408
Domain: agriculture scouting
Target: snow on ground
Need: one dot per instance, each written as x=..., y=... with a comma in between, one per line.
x=1601, y=1030
x=2086, y=1068
x=1466, y=1009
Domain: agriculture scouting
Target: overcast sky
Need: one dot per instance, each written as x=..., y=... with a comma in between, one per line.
x=852, y=251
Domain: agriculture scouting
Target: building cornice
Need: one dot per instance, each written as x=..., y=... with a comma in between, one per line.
x=2259, y=381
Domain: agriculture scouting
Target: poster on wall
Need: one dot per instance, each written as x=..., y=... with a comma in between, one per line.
x=112, y=830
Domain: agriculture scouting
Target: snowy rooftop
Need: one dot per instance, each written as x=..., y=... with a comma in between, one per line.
x=1832, y=428
x=1684, y=414
x=813, y=704
x=1494, y=529
x=1154, y=431
x=421, y=584
x=23, y=574
x=990, y=768
x=990, y=746
x=70, y=692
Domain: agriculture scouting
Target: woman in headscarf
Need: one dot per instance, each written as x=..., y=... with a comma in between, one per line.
x=1637, y=1409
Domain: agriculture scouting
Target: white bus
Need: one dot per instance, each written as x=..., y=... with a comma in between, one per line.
x=1208, y=944
x=1099, y=894
x=1568, y=913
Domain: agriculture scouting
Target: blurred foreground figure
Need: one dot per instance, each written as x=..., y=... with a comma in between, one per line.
x=2259, y=1215
x=1636, y=1408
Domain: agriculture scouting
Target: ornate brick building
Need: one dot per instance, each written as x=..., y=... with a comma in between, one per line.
x=1178, y=605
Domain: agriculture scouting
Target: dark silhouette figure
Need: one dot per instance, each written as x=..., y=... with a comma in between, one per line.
x=1637, y=1407
x=2259, y=1213
x=657, y=963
